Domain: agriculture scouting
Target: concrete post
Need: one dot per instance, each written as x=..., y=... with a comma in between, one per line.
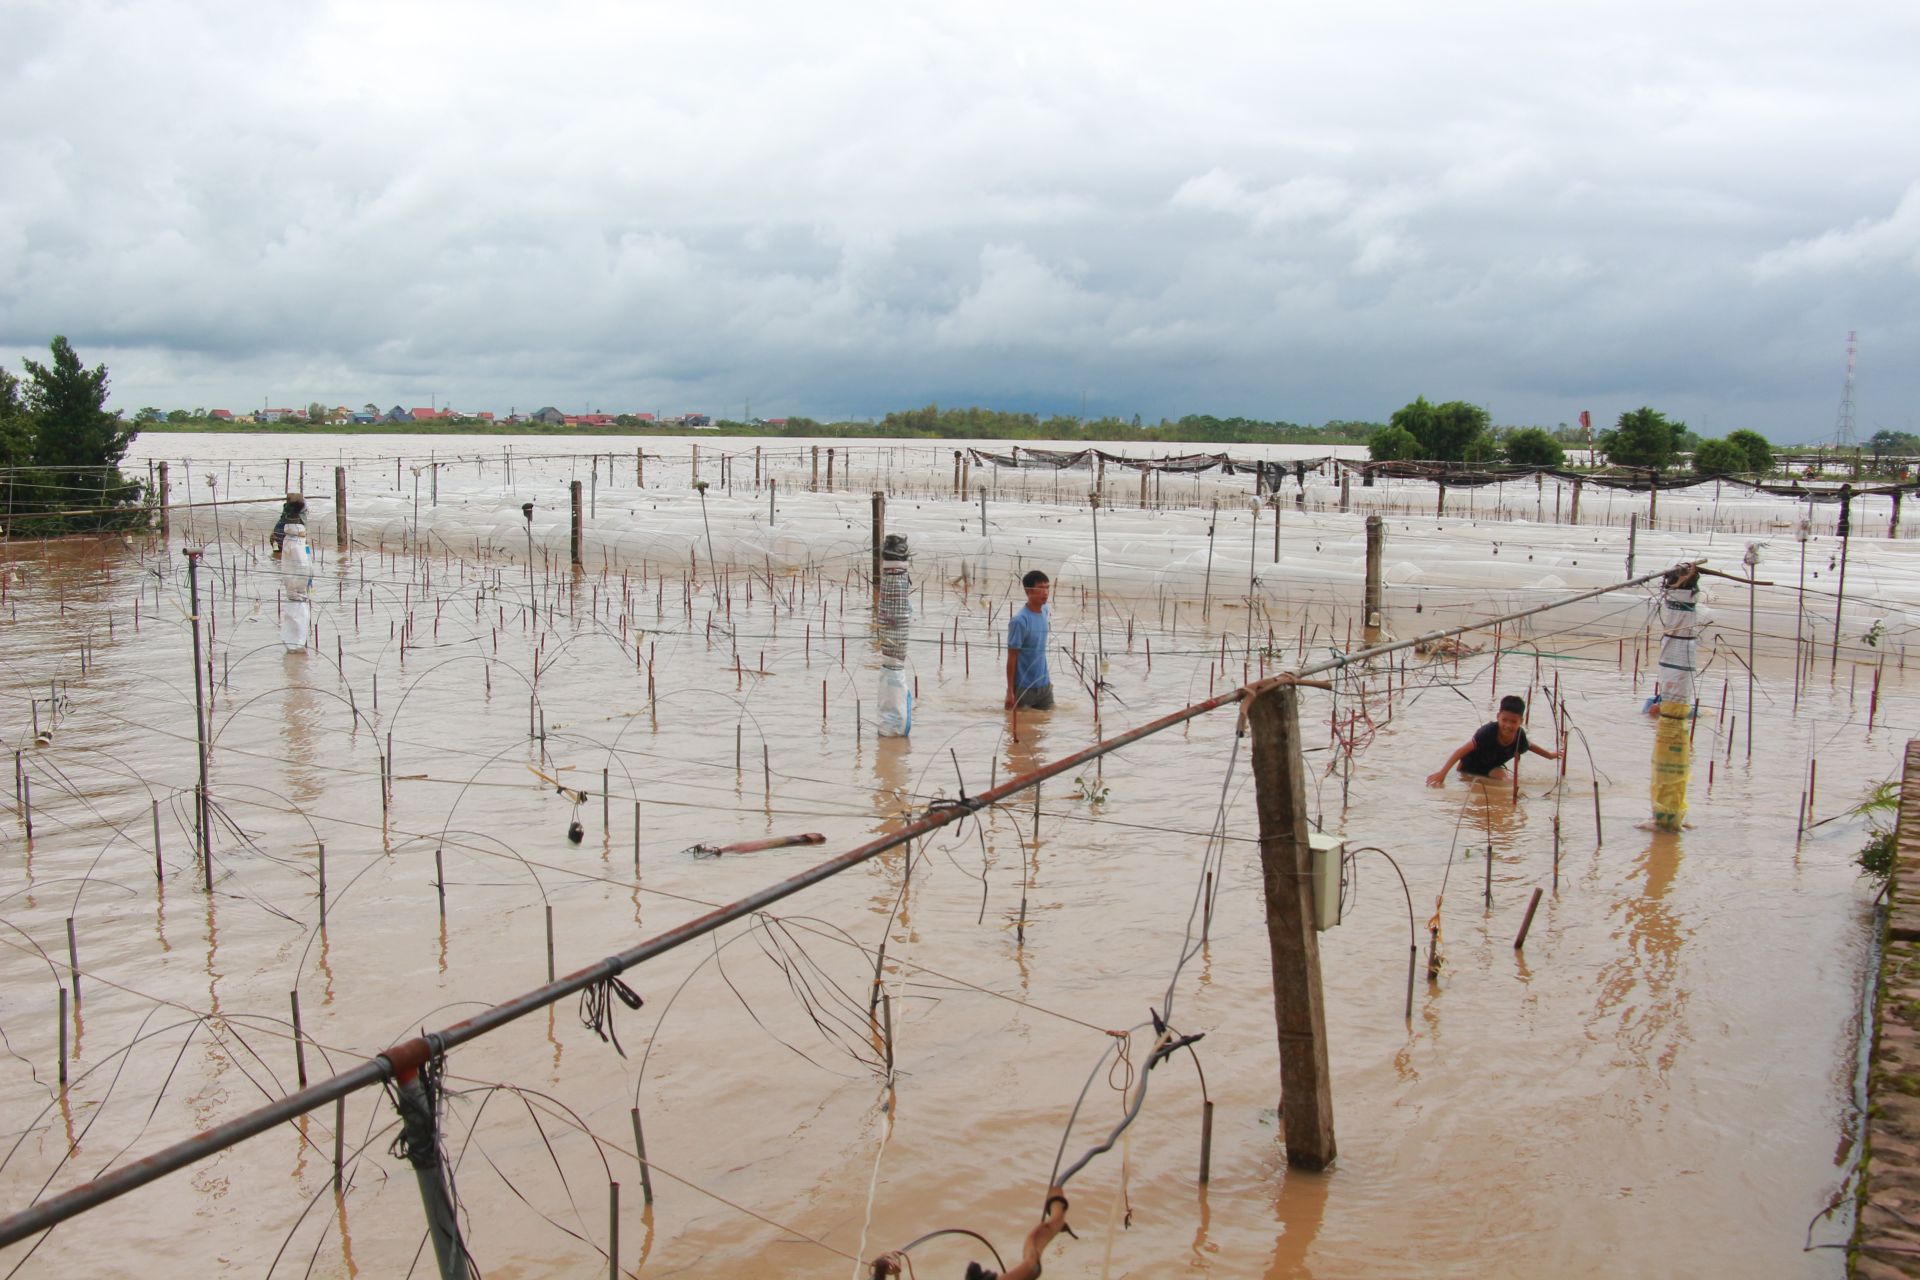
x=578, y=530
x=339, y=508
x=1306, y=1087
x=1376, y=552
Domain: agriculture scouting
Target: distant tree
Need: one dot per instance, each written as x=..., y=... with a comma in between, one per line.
x=74, y=445
x=1393, y=444
x=372, y=408
x=316, y=412
x=68, y=401
x=1643, y=437
x=1759, y=453
x=1443, y=430
x=16, y=427
x=147, y=414
x=179, y=415
x=1532, y=447
x=1719, y=458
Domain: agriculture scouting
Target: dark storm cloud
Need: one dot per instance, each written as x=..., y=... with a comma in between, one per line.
x=837, y=210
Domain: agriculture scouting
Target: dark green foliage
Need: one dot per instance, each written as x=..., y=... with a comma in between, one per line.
x=1392, y=444
x=67, y=478
x=16, y=428
x=1719, y=458
x=1447, y=431
x=1876, y=855
x=1532, y=447
x=1880, y=809
x=1643, y=438
x=1759, y=453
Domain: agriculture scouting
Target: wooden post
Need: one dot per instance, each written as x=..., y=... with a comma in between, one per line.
x=1893, y=522
x=577, y=527
x=1306, y=1088
x=829, y=468
x=1346, y=482
x=166, y=520
x=640, y=467
x=1376, y=552
x=1653, y=502
x=1633, y=536
x=340, y=508
x=958, y=492
x=879, y=535
x=813, y=483
x=696, y=464
x=1440, y=506
x=1573, y=508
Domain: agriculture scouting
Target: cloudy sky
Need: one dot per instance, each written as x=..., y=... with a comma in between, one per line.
x=1283, y=210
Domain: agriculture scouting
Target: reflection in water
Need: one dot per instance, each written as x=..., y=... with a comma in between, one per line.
x=1301, y=1206
x=892, y=804
x=304, y=779
x=1650, y=1028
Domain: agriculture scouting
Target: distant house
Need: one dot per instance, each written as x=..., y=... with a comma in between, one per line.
x=364, y=417
x=776, y=422
x=276, y=415
x=397, y=414
x=483, y=417
x=696, y=420
x=549, y=415
x=643, y=417
x=221, y=415
x=593, y=420
x=425, y=415
x=340, y=413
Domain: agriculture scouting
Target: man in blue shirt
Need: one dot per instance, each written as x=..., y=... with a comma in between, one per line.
x=1028, y=684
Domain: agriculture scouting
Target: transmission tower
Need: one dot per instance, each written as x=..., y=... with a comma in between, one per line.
x=1843, y=422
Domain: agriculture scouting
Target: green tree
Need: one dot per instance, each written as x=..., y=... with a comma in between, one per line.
x=1532, y=447
x=316, y=412
x=1444, y=430
x=147, y=414
x=1719, y=458
x=1482, y=448
x=16, y=428
x=68, y=402
x=76, y=445
x=1759, y=453
x=1392, y=444
x=1642, y=437
x=179, y=415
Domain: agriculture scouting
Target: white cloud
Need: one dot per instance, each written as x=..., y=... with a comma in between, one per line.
x=839, y=207
x=1868, y=243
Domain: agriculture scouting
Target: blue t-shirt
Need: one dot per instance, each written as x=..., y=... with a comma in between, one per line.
x=1027, y=638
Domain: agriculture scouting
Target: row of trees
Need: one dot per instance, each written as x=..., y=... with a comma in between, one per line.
x=1460, y=432
x=60, y=448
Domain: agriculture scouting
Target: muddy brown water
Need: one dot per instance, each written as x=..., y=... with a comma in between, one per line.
x=1663, y=1082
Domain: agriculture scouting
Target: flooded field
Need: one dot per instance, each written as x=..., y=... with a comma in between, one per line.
x=1663, y=1081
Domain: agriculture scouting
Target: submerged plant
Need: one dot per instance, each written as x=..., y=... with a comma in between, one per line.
x=1092, y=790
x=1879, y=809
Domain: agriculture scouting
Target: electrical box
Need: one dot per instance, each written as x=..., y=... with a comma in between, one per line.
x=1329, y=856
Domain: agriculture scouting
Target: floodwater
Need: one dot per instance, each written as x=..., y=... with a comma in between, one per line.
x=1664, y=1081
